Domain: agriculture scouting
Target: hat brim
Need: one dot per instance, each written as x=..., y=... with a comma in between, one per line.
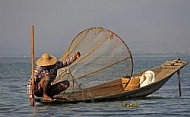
x=46, y=62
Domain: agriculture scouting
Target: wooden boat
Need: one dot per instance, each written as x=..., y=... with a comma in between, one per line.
x=122, y=89
x=104, y=70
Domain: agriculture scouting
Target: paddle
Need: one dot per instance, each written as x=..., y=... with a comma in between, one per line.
x=32, y=100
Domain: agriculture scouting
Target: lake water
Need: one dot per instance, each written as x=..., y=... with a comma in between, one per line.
x=15, y=72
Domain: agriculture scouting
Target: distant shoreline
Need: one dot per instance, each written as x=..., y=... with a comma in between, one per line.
x=134, y=55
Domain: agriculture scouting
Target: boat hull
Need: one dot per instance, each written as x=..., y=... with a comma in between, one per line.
x=114, y=90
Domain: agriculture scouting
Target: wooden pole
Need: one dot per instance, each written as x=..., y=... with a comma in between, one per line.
x=179, y=83
x=32, y=60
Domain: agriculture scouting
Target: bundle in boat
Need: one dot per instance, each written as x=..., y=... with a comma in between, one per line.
x=131, y=83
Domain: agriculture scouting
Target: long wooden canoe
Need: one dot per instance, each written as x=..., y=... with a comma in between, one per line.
x=123, y=88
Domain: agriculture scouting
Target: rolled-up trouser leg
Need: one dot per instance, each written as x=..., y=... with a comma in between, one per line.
x=58, y=88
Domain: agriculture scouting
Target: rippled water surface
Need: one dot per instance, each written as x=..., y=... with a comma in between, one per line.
x=15, y=72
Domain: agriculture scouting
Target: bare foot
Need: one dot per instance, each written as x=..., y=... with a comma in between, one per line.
x=47, y=98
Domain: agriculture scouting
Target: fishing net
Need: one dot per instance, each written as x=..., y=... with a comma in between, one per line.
x=104, y=57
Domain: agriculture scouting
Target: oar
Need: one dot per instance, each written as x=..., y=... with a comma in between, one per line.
x=32, y=61
x=179, y=84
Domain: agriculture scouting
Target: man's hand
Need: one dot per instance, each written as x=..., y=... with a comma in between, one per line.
x=77, y=54
x=32, y=101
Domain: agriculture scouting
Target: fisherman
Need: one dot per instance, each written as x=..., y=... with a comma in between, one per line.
x=45, y=73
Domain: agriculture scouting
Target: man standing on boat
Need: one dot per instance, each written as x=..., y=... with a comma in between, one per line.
x=45, y=73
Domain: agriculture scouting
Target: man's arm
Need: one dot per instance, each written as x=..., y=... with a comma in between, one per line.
x=29, y=89
x=29, y=92
x=29, y=85
x=69, y=60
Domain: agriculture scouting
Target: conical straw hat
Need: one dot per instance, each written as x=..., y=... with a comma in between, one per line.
x=46, y=60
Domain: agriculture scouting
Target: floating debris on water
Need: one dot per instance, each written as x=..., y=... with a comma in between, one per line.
x=131, y=105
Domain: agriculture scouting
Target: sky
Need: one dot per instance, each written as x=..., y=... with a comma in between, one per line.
x=147, y=26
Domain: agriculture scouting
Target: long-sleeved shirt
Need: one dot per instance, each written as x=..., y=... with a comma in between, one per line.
x=39, y=72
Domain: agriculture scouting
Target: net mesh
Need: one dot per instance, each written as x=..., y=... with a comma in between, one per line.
x=104, y=57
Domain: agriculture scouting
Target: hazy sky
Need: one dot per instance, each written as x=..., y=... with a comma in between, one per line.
x=156, y=26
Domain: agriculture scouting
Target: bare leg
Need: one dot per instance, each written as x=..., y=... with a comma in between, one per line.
x=45, y=82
